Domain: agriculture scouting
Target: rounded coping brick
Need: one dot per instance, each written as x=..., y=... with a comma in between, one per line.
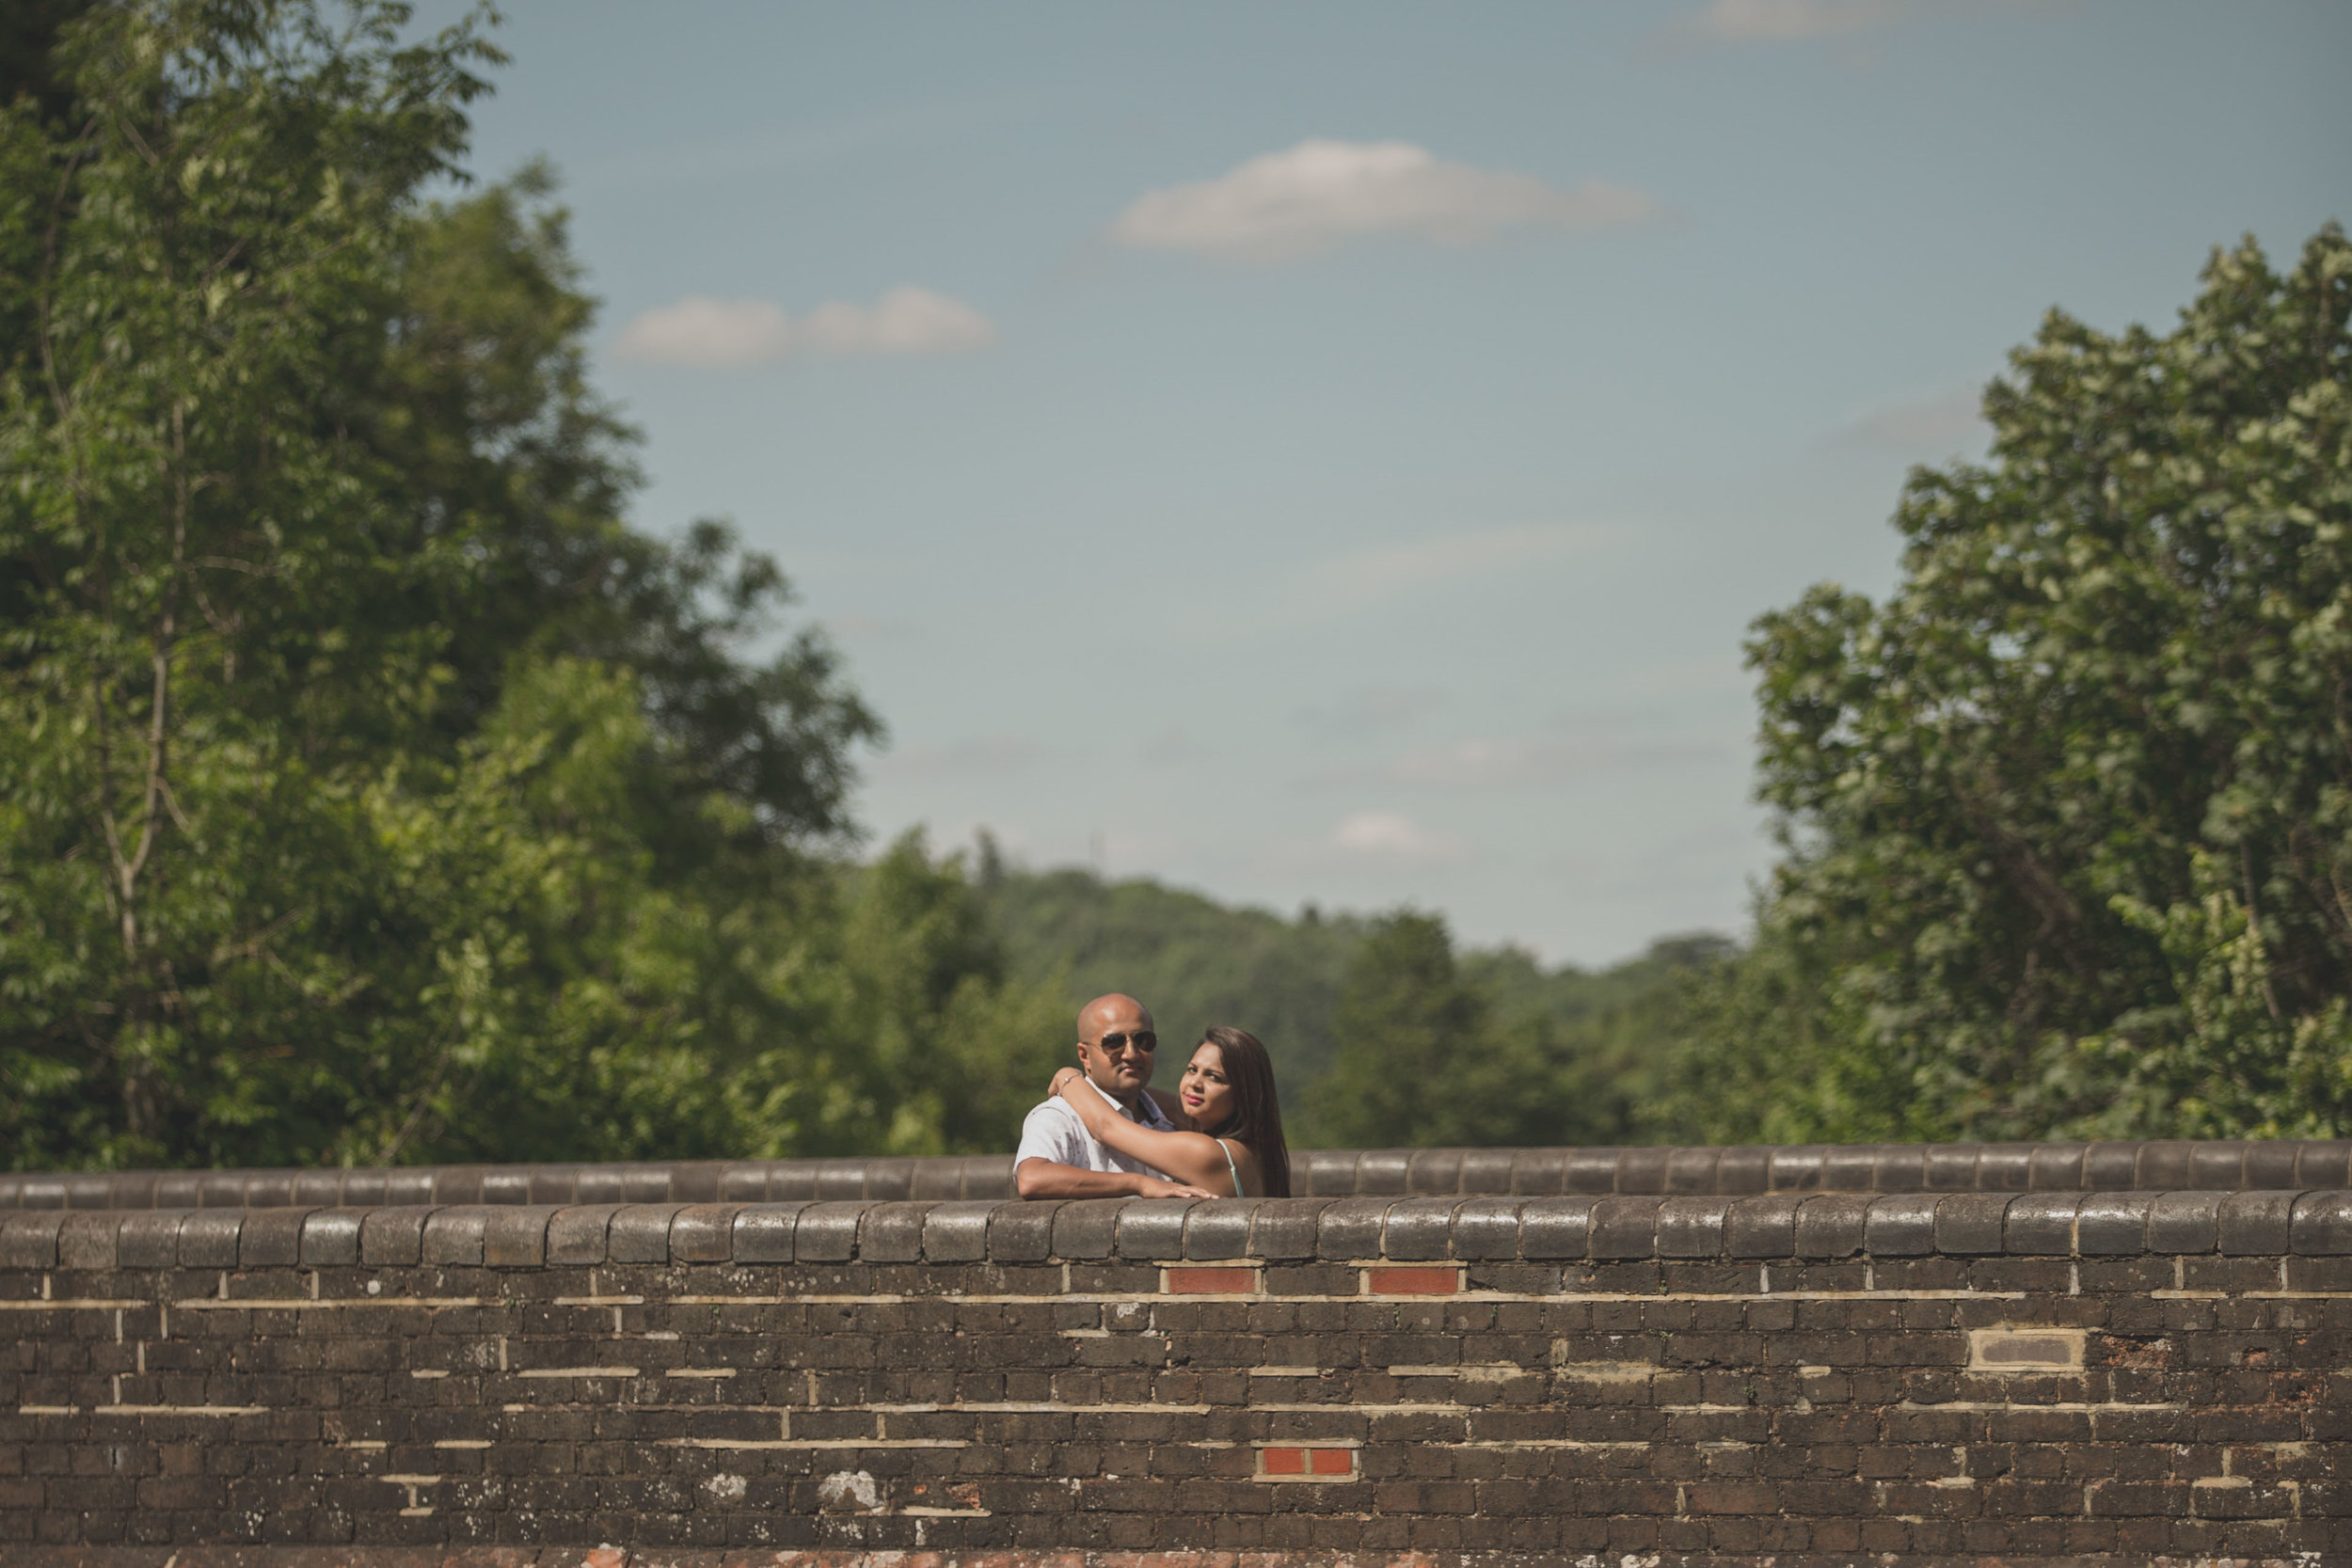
x=1419, y=1228
x=891, y=1232
x=1399, y=1230
x=764, y=1231
x=2215, y=1166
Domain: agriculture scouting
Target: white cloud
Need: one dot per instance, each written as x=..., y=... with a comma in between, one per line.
x=1786, y=21
x=1944, y=423
x=1320, y=194
x=904, y=321
x=723, y=334
x=1370, y=575
x=1391, y=837
x=711, y=334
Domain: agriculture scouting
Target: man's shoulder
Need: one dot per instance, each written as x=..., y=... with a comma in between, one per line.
x=1053, y=1110
x=1051, y=1131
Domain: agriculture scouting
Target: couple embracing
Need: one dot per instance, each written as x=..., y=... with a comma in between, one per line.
x=1103, y=1131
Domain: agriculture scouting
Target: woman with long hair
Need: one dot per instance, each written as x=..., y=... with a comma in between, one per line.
x=1226, y=1094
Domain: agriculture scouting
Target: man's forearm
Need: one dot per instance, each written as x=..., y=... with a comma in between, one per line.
x=1051, y=1179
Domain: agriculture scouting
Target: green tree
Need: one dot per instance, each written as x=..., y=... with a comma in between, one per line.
x=369, y=788
x=1425, y=1058
x=2068, y=818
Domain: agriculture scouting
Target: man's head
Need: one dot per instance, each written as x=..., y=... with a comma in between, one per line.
x=1115, y=1046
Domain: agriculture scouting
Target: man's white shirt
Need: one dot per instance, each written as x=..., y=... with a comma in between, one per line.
x=1054, y=1131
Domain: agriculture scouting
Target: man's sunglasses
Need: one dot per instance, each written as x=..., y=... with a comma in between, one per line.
x=1144, y=1040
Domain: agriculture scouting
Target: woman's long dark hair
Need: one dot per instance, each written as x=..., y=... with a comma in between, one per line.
x=1257, y=1119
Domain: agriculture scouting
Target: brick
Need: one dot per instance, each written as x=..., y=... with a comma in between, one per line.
x=955, y=1230
x=146, y=1239
x=1693, y=1171
x=2162, y=1167
x=826, y=1231
x=581, y=1234
x=1796, y=1168
x=452, y=1235
x=1152, y=1230
x=1691, y=1226
x=763, y=1232
x=2056, y=1167
x=1395, y=1280
x=2184, y=1222
x=1486, y=1228
x=2323, y=1162
x=1900, y=1168
x=1088, y=1227
x=1971, y=1224
x=1487, y=1170
x=1564, y=1172
x=2321, y=1226
x=208, y=1238
x=1023, y=1232
x=1349, y=1227
x=1742, y=1169
x=1762, y=1226
x=1639, y=1173
x=890, y=1232
x=704, y=1233
x=1556, y=1227
x=2113, y=1223
x=1434, y=1172
x=639, y=1232
x=87, y=1241
x=1209, y=1281
x=391, y=1237
x=2110, y=1167
x=2268, y=1162
x=270, y=1238
x=1625, y=1228
x=1902, y=1226
x=1832, y=1226
x=2255, y=1223
x=1322, y=1172
x=512, y=1236
x=1383, y=1172
x=2041, y=1224
x=1418, y=1227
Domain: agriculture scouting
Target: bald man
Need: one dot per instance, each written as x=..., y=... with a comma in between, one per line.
x=1058, y=1157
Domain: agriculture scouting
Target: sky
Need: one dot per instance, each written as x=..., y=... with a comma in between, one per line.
x=1332, y=453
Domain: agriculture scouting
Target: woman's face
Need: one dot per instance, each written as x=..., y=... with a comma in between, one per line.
x=1207, y=1095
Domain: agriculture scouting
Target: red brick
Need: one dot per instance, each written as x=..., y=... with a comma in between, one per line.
x=1399, y=1281
x=1331, y=1462
x=1209, y=1282
x=1281, y=1462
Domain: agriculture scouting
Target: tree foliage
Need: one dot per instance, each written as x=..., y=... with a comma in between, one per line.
x=1433, y=1051
x=2068, y=818
x=370, y=789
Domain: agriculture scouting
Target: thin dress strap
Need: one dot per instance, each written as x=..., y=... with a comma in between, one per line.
x=1232, y=1168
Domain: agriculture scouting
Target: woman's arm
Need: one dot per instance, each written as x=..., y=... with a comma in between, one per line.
x=1189, y=1157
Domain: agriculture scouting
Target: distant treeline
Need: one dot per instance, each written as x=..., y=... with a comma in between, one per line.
x=1381, y=1032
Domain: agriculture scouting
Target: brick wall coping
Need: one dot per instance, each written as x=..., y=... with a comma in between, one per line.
x=2222, y=1166
x=1142, y=1230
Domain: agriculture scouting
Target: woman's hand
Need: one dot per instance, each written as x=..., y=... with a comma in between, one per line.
x=1155, y=1187
x=1064, y=1084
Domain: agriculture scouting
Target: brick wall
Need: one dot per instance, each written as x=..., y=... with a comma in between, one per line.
x=1794, y=1377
